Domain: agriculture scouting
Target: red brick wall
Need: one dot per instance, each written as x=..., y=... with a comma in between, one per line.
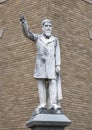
x=18, y=89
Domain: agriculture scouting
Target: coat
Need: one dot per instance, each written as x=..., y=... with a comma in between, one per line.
x=48, y=54
x=48, y=57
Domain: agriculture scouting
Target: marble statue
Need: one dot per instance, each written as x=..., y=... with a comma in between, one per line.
x=47, y=67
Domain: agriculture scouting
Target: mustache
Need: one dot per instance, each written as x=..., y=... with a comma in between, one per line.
x=48, y=30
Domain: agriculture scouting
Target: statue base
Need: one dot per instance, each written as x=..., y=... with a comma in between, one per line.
x=48, y=122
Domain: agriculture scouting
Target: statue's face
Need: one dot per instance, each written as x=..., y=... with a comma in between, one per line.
x=47, y=28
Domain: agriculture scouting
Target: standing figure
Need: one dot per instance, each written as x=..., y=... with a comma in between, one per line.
x=47, y=67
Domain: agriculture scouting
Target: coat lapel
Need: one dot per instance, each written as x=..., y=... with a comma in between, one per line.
x=47, y=41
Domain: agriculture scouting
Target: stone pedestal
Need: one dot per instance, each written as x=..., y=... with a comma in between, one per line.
x=48, y=122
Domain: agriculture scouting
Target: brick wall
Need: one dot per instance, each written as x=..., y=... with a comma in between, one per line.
x=18, y=89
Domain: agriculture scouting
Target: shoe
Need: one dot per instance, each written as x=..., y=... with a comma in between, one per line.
x=55, y=109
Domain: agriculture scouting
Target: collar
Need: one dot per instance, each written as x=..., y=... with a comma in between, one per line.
x=45, y=40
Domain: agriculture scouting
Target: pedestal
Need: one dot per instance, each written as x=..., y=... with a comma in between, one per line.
x=48, y=122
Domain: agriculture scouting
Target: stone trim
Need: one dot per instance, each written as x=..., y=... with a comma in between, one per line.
x=88, y=1
x=90, y=34
x=2, y=1
x=1, y=33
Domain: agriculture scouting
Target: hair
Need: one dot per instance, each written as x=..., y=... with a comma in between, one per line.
x=46, y=20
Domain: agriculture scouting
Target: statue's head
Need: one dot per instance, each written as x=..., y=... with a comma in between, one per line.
x=47, y=27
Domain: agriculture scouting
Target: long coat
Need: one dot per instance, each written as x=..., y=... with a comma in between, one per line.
x=48, y=57
x=48, y=54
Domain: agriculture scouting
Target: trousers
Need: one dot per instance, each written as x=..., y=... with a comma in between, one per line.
x=47, y=92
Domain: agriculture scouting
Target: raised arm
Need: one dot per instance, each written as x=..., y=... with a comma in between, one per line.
x=28, y=33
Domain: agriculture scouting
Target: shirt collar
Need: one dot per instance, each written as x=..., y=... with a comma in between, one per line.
x=47, y=40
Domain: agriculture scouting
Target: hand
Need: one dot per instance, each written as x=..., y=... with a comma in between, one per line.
x=22, y=18
x=57, y=69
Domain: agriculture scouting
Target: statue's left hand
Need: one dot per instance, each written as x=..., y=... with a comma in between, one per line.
x=57, y=69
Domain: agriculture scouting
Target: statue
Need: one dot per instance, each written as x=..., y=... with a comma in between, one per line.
x=47, y=67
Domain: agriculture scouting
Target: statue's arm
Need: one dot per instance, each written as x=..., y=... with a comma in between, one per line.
x=28, y=33
x=58, y=56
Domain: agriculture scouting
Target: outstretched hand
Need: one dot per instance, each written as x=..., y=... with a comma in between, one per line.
x=22, y=18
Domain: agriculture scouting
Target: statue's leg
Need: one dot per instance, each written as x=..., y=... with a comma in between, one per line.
x=42, y=92
x=52, y=93
x=55, y=107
